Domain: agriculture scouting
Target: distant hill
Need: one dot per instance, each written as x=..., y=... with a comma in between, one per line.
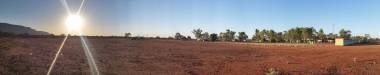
x=18, y=29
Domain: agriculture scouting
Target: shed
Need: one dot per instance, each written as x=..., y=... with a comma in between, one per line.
x=343, y=42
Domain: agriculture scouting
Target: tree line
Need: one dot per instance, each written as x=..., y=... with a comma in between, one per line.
x=293, y=35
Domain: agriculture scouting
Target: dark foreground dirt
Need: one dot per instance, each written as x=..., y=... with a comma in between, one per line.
x=118, y=56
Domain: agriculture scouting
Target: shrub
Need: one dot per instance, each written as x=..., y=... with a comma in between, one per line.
x=157, y=37
x=137, y=38
x=178, y=36
x=273, y=71
x=170, y=37
x=188, y=37
x=127, y=35
x=213, y=37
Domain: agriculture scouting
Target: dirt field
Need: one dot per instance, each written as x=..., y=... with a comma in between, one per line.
x=118, y=56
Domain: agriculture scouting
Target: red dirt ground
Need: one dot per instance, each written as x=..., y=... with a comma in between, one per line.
x=120, y=56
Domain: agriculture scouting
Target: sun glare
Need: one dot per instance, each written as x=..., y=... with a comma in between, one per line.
x=74, y=23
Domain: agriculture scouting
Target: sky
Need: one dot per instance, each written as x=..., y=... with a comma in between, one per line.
x=166, y=17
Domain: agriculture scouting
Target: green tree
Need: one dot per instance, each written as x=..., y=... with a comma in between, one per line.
x=279, y=37
x=213, y=37
x=271, y=35
x=227, y=36
x=321, y=35
x=344, y=33
x=231, y=35
x=361, y=39
x=294, y=35
x=242, y=36
x=257, y=37
x=286, y=36
x=307, y=33
x=298, y=35
x=331, y=36
x=197, y=33
x=205, y=36
x=223, y=36
x=263, y=35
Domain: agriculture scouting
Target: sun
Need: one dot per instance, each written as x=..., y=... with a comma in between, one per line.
x=74, y=23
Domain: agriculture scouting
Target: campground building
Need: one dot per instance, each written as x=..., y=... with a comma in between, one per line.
x=343, y=42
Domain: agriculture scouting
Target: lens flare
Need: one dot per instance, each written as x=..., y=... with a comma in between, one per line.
x=74, y=23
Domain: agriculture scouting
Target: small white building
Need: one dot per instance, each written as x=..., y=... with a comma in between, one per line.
x=343, y=42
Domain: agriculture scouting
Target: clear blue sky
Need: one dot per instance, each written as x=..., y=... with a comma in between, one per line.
x=165, y=17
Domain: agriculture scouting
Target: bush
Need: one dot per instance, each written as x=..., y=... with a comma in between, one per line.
x=157, y=37
x=127, y=35
x=170, y=37
x=137, y=38
x=188, y=37
x=178, y=36
x=213, y=37
x=272, y=71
